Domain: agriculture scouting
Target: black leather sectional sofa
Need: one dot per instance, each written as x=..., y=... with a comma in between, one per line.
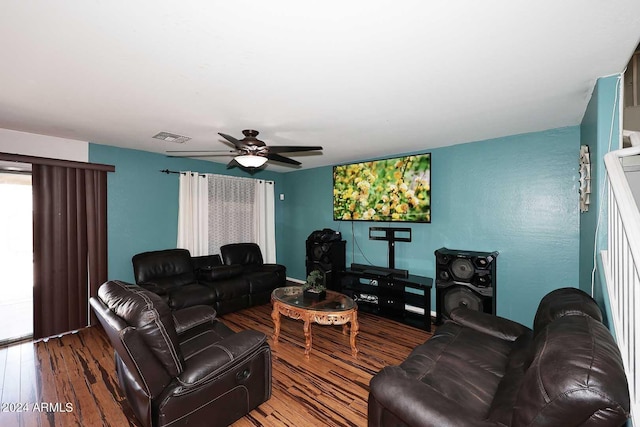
x=483, y=370
x=237, y=280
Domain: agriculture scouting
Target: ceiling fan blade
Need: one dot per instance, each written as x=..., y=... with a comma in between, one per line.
x=236, y=143
x=230, y=153
x=283, y=159
x=201, y=151
x=291, y=148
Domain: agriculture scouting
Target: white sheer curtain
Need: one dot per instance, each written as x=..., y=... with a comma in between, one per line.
x=215, y=210
x=231, y=211
x=193, y=213
x=265, y=223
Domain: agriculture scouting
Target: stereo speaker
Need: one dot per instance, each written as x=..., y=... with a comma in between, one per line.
x=329, y=257
x=465, y=279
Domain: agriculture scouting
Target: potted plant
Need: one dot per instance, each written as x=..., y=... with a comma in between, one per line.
x=314, y=287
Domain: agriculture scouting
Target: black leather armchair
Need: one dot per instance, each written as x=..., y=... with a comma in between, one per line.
x=483, y=370
x=183, y=367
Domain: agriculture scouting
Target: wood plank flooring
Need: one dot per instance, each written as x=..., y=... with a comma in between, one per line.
x=71, y=380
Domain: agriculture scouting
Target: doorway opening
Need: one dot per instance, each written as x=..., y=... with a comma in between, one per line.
x=16, y=257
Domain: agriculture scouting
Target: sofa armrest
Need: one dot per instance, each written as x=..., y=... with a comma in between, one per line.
x=188, y=318
x=414, y=403
x=216, y=359
x=498, y=327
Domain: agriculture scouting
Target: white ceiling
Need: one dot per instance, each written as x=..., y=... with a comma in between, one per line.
x=361, y=78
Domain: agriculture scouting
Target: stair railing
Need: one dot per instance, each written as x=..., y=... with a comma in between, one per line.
x=621, y=261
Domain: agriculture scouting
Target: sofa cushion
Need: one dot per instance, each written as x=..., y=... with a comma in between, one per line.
x=215, y=355
x=229, y=289
x=168, y=268
x=196, y=339
x=260, y=282
x=462, y=365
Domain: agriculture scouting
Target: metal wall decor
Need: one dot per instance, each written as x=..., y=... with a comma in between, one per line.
x=585, y=178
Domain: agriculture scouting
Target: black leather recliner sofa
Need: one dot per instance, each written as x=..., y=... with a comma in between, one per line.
x=182, y=367
x=183, y=281
x=483, y=370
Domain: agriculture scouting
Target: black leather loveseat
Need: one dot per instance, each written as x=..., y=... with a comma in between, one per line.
x=184, y=281
x=483, y=370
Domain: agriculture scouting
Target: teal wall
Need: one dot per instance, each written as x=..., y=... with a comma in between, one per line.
x=517, y=195
x=600, y=131
x=143, y=202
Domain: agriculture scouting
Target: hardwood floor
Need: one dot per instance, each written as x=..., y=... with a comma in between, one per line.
x=70, y=380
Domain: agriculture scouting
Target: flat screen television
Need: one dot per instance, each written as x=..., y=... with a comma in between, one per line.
x=388, y=190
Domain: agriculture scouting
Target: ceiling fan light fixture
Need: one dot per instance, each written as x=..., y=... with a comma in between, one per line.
x=251, y=160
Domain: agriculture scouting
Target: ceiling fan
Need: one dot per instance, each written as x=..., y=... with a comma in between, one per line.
x=251, y=152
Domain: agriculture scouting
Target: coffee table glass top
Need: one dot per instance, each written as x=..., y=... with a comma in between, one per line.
x=294, y=296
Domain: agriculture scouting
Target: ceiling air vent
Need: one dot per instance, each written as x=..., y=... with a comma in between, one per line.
x=172, y=137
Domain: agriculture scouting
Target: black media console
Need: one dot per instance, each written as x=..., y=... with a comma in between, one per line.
x=390, y=293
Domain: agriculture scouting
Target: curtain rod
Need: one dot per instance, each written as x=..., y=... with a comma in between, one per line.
x=34, y=160
x=167, y=171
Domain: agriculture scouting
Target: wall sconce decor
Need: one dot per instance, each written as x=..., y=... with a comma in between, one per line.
x=585, y=178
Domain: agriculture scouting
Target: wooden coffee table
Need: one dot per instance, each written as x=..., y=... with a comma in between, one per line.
x=335, y=309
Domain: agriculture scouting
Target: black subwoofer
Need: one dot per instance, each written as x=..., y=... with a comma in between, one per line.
x=465, y=279
x=329, y=257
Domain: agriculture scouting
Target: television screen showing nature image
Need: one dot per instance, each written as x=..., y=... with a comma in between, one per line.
x=397, y=189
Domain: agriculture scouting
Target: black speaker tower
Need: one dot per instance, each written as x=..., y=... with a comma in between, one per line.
x=326, y=252
x=465, y=279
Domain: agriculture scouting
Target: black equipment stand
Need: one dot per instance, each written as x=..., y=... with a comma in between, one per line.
x=391, y=235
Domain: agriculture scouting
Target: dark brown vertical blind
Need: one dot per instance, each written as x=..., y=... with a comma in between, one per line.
x=70, y=245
